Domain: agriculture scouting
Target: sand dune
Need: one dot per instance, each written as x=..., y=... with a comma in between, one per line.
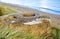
x=55, y=19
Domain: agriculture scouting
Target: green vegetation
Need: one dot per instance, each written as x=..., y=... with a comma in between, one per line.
x=5, y=10
x=55, y=33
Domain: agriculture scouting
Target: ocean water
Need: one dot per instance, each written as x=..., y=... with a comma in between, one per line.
x=50, y=6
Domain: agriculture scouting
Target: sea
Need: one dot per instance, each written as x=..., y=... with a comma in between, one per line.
x=49, y=6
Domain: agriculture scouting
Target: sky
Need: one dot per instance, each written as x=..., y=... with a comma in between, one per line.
x=36, y=3
x=23, y=2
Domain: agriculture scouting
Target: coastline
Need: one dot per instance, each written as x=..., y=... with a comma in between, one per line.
x=55, y=19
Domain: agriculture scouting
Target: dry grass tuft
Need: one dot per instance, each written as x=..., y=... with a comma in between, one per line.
x=23, y=31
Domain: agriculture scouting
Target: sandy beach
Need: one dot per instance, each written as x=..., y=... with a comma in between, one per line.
x=55, y=19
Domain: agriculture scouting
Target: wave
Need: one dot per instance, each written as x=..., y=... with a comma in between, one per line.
x=50, y=9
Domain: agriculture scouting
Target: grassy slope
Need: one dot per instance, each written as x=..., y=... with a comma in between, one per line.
x=55, y=33
x=13, y=31
x=5, y=10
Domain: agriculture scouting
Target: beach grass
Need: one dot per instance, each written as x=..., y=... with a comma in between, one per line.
x=21, y=31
